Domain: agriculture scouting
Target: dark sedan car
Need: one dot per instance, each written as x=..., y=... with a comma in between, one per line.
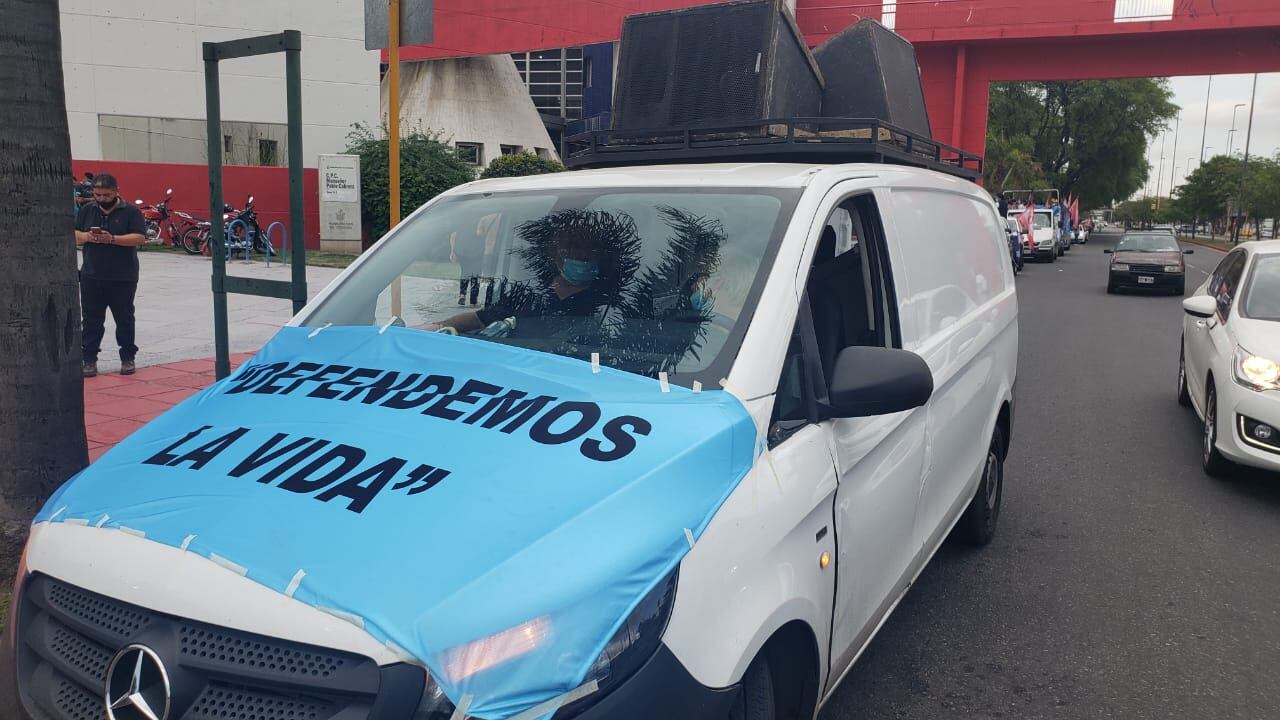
x=1148, y=259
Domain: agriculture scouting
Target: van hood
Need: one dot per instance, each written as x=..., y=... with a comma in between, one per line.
x=492, y=511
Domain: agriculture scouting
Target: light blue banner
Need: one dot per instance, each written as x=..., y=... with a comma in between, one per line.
x=438, y=490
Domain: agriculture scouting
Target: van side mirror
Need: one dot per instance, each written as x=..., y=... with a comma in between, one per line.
x=1188, y=252
x=1201, y=306
x=871, y=381
x=1106, y=251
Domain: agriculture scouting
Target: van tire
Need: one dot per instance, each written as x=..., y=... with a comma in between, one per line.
x=978, y=524
x=756, y=701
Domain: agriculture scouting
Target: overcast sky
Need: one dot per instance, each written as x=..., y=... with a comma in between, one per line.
x=1227, y=91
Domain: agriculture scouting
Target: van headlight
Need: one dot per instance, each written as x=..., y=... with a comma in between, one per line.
x=1119, y=267
x=638, y=637
x=1173, y=268
x=1255, y=372
x=635, y=641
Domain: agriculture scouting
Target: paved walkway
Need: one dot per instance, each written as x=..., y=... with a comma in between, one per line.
x=115, y=405
x=175, y=309
x=175, y=337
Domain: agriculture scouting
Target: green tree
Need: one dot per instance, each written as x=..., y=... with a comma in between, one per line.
x=1260, y=192
x=1088, y=138
x=428, y=167
x=42, y=440
x=1138, y=212
x=1210, y=189
x=521, y=164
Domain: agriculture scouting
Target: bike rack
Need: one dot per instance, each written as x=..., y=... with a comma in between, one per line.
x=248, y=240
x=284, y=234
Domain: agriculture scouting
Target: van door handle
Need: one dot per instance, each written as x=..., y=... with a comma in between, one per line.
x=1200, y=323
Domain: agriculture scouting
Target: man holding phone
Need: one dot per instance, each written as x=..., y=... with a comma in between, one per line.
x=110, y=231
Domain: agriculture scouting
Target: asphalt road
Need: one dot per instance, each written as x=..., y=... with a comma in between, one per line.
x=1123, y=582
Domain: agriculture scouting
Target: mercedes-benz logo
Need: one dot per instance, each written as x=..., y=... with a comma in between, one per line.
x=137, y=685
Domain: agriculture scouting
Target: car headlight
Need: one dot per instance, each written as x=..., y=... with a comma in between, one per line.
x=1119, y=267
x=1173, y=268
x=1255, y=372
x=631, y=646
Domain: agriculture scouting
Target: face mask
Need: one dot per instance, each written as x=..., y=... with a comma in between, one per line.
x=107, y=204
x=699, y=301
x=579, y=272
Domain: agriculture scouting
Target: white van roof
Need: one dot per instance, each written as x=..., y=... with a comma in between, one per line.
x=756, y=175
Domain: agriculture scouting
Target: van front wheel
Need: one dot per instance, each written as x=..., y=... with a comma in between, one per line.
x=756, y=701
x=978, y=524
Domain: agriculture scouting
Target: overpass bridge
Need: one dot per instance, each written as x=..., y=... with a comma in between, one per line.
x=962, y=45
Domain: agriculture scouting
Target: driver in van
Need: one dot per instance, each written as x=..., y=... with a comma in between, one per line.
x=573, y=258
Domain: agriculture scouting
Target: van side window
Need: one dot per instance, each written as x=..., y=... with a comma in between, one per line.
x=850, y=295
x=850, y=291
x=791, y=404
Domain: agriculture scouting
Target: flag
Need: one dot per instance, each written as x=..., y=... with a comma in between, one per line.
x=1027, y=218
x=1075, y=211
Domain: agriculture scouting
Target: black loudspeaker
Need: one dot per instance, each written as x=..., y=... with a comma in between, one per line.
x=871, y=72
x=714, y=65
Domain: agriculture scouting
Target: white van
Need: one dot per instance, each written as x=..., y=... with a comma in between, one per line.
x=660, y=442
x=1046, y=241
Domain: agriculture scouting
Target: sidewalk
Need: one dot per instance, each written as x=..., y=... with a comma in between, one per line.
x=175, y=309
x=116, y=405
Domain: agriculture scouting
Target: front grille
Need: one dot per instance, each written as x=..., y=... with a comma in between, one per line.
x=221, y=702
x=1148, y=269
x=75, y=703
x=216, y=646
x=68, y=635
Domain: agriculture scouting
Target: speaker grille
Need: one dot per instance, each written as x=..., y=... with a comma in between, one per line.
x=712, y=65
x=721, y=57
x=649, y=76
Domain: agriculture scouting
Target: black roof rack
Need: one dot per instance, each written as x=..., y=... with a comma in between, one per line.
x=800, y=139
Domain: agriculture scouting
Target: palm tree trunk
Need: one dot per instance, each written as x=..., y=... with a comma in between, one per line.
x=42, y=440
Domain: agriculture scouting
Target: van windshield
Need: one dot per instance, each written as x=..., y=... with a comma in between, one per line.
x=653, y=280
x=1044, y=220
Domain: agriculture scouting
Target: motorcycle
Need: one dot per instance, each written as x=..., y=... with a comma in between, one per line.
x=155, y=217
x=255, y=239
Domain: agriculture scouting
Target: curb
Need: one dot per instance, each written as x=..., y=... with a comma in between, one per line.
x=1203, y=244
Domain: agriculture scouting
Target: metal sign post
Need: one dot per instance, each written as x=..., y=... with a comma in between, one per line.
x=393, y=135
x=407, y=22
x=288, y=42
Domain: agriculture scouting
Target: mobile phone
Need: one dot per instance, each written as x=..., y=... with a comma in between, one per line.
x=95, y=230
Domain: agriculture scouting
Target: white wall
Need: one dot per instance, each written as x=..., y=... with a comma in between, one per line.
x=142, y=58
x=474, y=99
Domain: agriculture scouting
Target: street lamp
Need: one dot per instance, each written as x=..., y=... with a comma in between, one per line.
x=1234, y=110
x=1244, y=167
